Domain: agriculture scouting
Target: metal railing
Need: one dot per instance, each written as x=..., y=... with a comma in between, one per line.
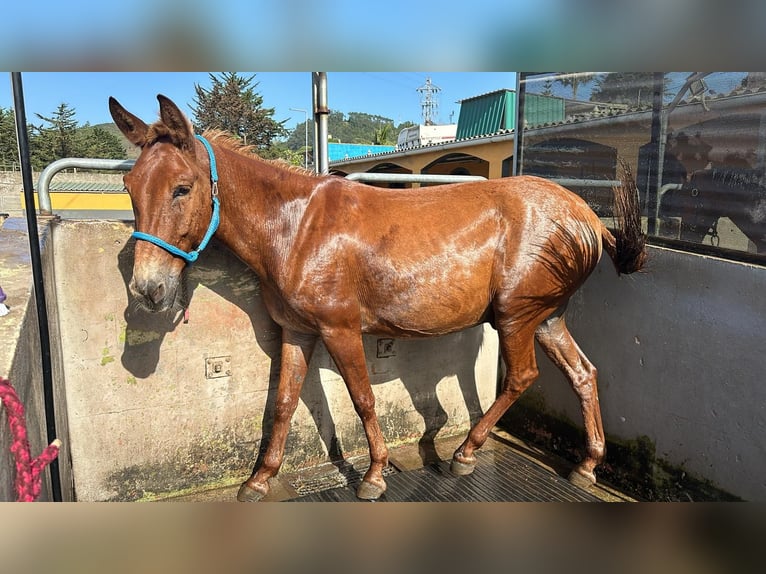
x=566, y=182
x=44, y=181
x=412, y=177
x=46, y=176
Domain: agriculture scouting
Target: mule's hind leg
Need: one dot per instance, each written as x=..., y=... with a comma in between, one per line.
x=558, y=344
x=347, y=350
x=296, y=354
x=517, y=347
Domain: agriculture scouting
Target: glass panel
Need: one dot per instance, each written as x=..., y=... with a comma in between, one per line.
x=705, y=132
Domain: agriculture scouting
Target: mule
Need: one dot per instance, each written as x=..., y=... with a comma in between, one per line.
x=338, y=259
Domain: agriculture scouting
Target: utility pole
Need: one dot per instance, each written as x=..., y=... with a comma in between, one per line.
x=428, y=101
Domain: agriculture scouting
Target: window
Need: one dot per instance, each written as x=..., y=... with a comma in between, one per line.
x=695, y=142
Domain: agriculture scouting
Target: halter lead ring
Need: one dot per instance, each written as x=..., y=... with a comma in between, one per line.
x=191, y=256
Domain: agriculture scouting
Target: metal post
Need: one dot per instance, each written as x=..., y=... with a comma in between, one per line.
x=521, y=88
x=658, y=136
x=37, y=275
x=321, y=111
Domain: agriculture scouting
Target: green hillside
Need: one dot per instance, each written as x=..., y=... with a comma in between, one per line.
x=130, y=150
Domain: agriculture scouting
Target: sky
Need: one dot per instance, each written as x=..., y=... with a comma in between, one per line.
x=295, y=35
x=389, y=94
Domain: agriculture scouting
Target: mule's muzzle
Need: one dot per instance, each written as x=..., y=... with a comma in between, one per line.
x=153, y=295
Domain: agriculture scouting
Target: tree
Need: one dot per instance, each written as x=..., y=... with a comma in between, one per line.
x=384, y=135
x=631, y=88
x=233, y=105
x=56, y=140
x=95, y=141
x=9, y=151
x=62, y=137
x=279, y=150
x=754, y=80
x=574, y=80
x=354, y=127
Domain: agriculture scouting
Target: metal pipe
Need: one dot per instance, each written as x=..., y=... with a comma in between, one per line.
x=518, y=128
x=44, y=181
x=413, y=177
x=321, y=113
x=653, y=200
x=22, y=137
x=585, y=182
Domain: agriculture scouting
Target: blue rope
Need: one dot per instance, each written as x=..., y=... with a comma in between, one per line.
x=191, y=256
x=211, y=155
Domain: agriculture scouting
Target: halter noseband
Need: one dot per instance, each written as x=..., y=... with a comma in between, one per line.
x=191, y=256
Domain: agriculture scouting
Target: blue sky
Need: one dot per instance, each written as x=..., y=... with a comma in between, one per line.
x=294, y=35
x=389, y=94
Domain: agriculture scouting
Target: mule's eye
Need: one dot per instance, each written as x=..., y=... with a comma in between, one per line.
x=181, y=190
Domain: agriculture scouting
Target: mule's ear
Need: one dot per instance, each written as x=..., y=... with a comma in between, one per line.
x=180, y=128
x=133, y=128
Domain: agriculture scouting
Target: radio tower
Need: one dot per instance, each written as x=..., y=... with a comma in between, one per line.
x=428, y=101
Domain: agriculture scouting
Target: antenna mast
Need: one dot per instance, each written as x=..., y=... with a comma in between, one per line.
x=428, y=101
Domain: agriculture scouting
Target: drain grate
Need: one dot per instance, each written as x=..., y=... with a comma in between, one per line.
x=339, y=474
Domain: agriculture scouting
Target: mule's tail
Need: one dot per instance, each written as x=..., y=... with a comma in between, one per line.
x=626, y=244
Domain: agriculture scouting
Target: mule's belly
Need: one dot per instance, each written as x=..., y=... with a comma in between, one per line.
x=443, y=301
x=409, y=327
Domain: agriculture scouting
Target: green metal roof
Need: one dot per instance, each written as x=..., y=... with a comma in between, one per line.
x=86, y=186
x=495, y=111
x=486, y=114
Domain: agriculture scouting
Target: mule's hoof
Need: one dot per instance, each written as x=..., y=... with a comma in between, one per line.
x=369, y=491
x=460, y=468
x=249, y=494
x=582, y=479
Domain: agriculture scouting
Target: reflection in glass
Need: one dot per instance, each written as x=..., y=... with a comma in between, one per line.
x=705, y=133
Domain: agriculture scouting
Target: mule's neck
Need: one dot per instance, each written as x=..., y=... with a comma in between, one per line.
x=262, y=205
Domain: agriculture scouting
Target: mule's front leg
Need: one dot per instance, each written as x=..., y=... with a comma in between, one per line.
x=296, y=354
x=347, y=350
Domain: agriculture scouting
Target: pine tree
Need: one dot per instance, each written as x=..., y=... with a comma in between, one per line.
x=95, y=141
x=574, y=80
x=232, y=105
x=631, y=88
x=60, y=134
x=9, y=151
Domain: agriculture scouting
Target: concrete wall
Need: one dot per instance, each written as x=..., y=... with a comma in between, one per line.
x=680, y=354
x=147, y=414
x=10, y=193
x=20, y=360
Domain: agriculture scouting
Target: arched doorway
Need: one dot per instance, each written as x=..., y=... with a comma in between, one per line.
x=458, y=164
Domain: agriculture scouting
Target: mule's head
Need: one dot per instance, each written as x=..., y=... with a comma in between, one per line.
x=170, y=189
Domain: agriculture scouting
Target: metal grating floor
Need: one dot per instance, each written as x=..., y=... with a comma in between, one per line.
x=508, y=470
x=501, y=475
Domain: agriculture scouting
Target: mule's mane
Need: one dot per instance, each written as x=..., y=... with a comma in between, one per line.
x=158, y=131
x=228, y=141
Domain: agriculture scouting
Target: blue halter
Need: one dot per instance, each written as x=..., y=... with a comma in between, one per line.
x=192, y=256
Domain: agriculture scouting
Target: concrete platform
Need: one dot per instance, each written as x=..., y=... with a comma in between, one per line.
x=508, y=470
